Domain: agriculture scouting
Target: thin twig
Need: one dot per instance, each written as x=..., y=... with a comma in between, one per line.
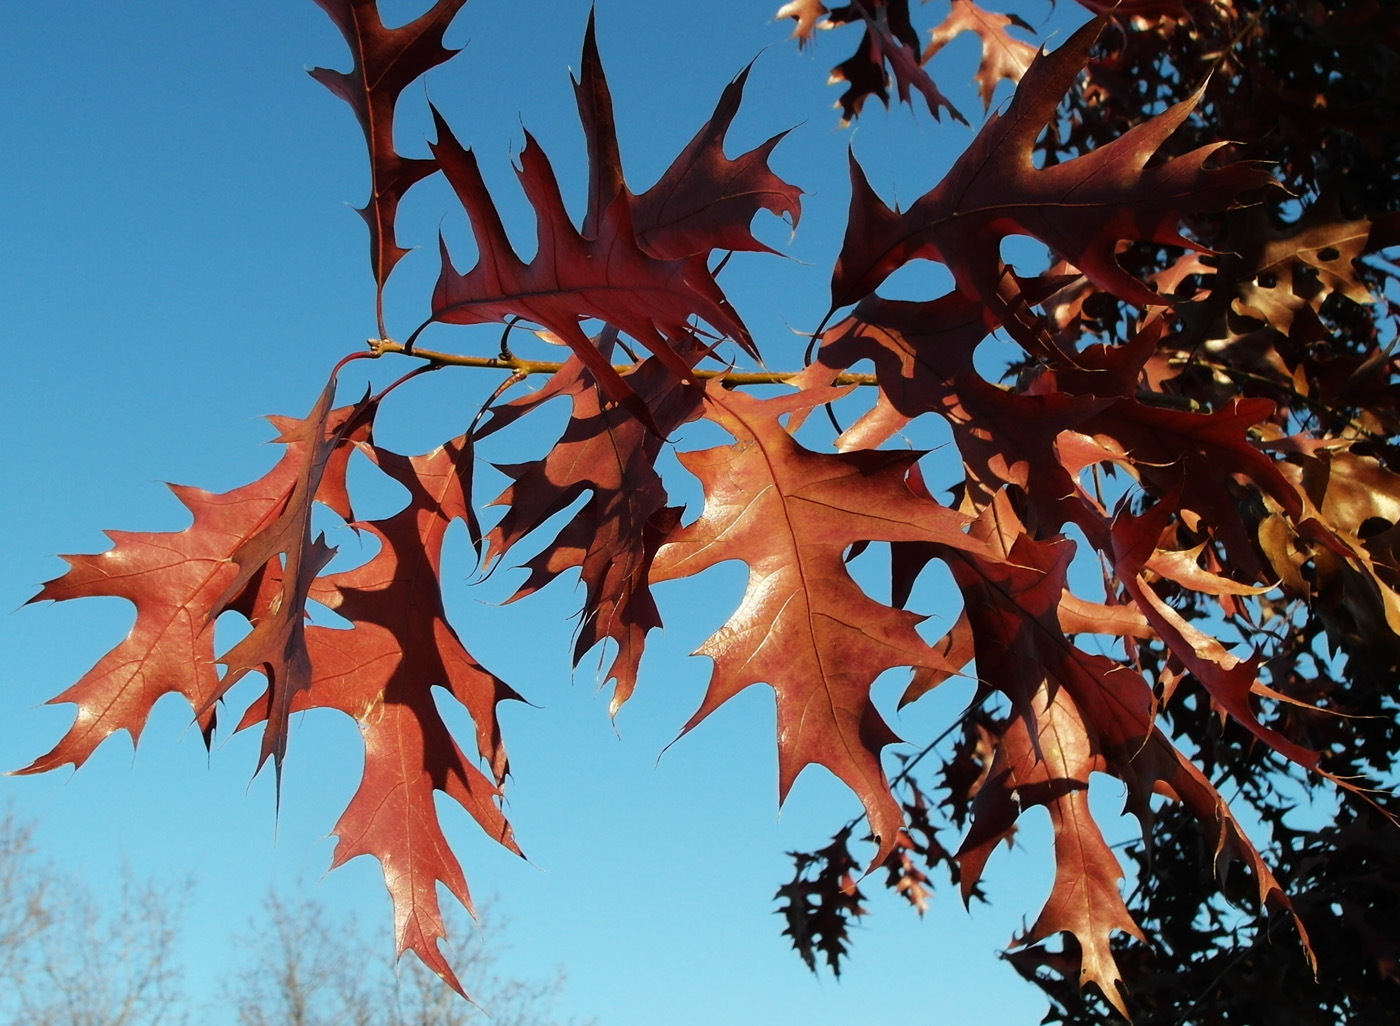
x=383, y=346
x=525, y=368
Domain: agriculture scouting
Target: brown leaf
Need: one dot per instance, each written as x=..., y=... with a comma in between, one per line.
x=1014, y=600
x=1196, y=460
x=638, y=264
x=1051, y=767
x=1348, y=530
x=805, y=13
x=956, y=649
x=820, y=909
x=904, y=877
x=572, y=277
x=1230, y=680
x=173, y=580
x=1288, y=273
x=1073, y=713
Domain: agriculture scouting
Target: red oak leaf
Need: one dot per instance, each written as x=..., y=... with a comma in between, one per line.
x=1195, y=458
x=638, y=264
x=1080, y=616
x=1292, y=271
x=706, y=201
x=1350, y=499
x=381, y=672
x=179, y=581
x=276, y=646
x=919, y=349
x=1074, y=713
x=904, y=877
x=955, y=648
x=889, y=39
x=1081, y=208
x=1162, y=765
x=804, y=626
x=1230, y=680
x=595, y=113
x=1046, y=760
x=923, y=363
x=610, y=456
x=1013, y=600
x=608, y=276
x=386, y=62
x=1003, y=56
x=821, y=905
x=173, y=580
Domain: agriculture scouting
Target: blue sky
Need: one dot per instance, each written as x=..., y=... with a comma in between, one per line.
x=182, y=258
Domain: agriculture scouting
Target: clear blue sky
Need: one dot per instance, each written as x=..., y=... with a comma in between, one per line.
x=182, y=258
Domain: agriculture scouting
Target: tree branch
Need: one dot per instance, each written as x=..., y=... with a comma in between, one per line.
x=525, y=368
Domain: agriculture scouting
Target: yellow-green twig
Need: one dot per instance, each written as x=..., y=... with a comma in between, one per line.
x=385, y=346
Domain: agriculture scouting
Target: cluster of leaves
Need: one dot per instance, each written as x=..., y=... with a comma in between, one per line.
x=1204, y=406
x=1277, y=334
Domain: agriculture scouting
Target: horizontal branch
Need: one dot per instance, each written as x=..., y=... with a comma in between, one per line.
x=733, y=379
x=383, y=346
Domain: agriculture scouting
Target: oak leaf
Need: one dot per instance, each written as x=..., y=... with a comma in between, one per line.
x=1073, y=712
x=805, y=13
x=1003, y=56
x=1291, y=271
x=381, y=672
x=706, y=201
x=923, y=356
x=276, y=646
x=172, y=579
x=638, y=263
x=1047, y=762
x=612, y=539
x=890, y=40
x=609, y=276
x=1052, y=744
x=1197, y=459
x=804, y=626
x=1230, y=680
x=1349, y=534
x=386, y=61
x=179, y=581
x=821, y=906
x=1081, y=208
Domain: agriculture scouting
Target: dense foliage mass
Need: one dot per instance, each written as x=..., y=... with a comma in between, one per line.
x=1204, y=406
